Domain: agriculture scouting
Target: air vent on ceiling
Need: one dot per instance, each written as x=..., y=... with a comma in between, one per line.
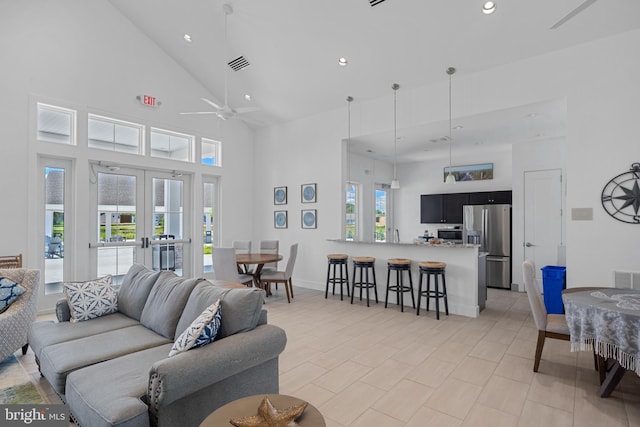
x=375, y=2
x=240, y=63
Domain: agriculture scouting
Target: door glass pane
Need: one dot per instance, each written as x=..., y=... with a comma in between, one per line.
x=209, y=198
x=168, y=213
x=116, y=223
x=351, y=201
x=54, y=229
x=381, y=215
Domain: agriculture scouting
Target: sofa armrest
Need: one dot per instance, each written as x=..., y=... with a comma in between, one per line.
x=63, y=312
x=175, y=377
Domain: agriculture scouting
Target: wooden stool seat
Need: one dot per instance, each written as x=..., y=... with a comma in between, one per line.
x=365, y=259
x=337, y=256
x=399, y=261
x=432, y=264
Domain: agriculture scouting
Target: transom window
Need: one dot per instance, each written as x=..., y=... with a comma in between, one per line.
x=171, y=145
x=210, y=152
x=56, y=124
x=115, y=135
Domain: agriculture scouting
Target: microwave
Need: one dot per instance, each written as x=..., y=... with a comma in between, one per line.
x=450, y=234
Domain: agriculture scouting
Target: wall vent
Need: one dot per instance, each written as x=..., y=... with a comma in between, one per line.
x=240, y=63
x=626, y=279
x=375, y=2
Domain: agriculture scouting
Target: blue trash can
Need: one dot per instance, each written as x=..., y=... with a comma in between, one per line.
x=554, y=280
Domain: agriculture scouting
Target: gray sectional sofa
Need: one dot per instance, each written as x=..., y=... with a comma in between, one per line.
x=114, y=370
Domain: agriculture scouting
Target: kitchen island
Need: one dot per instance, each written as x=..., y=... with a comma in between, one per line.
x=461, y=271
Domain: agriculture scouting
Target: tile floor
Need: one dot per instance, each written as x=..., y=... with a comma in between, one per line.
x=380, y=367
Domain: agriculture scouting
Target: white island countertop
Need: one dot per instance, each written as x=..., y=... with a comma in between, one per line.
x=461, y=270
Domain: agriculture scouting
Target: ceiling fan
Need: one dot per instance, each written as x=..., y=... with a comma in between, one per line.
x=573, y=13
x=224, y=112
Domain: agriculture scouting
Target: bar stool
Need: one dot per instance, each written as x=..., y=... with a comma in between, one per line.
x=434, y=269
x=340, y=261
x=363, y=265
x=399, y=265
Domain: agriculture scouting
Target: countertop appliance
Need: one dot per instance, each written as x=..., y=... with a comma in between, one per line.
x=452, y=234
x=490, y=227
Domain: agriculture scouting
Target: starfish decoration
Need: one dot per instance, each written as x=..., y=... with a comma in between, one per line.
x=631, y=197
x=269, y=416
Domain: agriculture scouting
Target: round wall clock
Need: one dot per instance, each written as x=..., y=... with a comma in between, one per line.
x=621, y=196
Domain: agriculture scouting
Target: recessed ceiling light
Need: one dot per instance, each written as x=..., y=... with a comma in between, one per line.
x=532, y=115
x=488, y=7
x=342, y=62
x=187, y=38
x=247, y=97
x=458, y=127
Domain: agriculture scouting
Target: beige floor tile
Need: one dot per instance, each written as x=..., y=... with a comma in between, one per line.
x=313, y=394
x=554, y=386
x=591, y=410
x=374, y=357
x=452, y=352
x=484, y=416
x=475, y=371
x=516, y=368
x=432, y=372
x=500, y=335
x=488, y=350
x=427, y=417
x=372, y=417
x=414, y=354
x=538, y=415
x=299, y=376
x=525, y=349
x=342, y=376
x=454, y=397
x=504, y=395
x=346, y=406
x=403, y=400
x=387, y=375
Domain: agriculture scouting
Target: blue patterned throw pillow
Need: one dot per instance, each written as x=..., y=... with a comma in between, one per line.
x=88, y=300
x=202, y=331
x=9, y=292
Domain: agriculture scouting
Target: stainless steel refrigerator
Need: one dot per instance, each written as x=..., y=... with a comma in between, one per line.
x=490, y=227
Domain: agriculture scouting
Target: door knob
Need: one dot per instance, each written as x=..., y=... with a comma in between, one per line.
x=528, y=244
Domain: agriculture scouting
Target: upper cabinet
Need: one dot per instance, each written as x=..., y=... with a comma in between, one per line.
x=442, y=208
x=490, y=197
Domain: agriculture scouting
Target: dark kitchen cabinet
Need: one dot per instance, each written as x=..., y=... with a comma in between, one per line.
x=442, y=208
x=490, y=197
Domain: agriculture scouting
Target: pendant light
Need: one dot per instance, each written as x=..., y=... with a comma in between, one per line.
x=349, y=101
x=451, y=179
x=395, y=184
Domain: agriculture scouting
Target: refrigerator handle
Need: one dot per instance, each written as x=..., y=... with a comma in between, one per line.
x=485, y=223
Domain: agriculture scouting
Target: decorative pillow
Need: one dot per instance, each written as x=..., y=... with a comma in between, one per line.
x=91, y=299
x=9, y=292
x=202, y=331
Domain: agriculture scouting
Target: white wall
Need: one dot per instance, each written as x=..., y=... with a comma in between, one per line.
x=599, y=81
x=87, y=56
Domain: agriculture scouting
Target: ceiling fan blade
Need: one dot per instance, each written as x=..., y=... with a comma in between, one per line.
x=243, y=110
x=199, y=112
x=573, y=13
x=213, y=104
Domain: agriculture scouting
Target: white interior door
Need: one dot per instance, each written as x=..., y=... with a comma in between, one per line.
x=543, y=217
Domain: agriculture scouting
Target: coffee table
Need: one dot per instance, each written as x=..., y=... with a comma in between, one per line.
x=248, y=406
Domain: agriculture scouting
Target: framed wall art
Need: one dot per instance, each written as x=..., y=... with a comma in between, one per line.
x=280, y=219
x=308, y=193
x=309, y=218
x=470, y=172
x=280, y=195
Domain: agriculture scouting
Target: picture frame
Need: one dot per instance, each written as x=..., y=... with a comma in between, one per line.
x=308, y=193
x=477, y=172
x=280, y=219
x=309, y=218
x=280, y=195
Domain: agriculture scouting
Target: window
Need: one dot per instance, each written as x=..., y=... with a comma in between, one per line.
x=351, y=211
x=54, y=230
x=209, y=198
x=56, y=124
x=115, y=135
x=210, y=152
x=381, y=210
x=171, y=145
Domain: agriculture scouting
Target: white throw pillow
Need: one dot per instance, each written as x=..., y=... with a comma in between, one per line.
x=202, y=331
x=91, y=299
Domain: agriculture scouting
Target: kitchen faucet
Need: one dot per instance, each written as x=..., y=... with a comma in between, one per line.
x=397, y=236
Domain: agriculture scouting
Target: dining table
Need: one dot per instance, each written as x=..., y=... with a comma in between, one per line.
x=259, y=260
x=606, y=321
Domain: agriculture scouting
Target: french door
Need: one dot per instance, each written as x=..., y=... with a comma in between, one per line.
x=140, y=217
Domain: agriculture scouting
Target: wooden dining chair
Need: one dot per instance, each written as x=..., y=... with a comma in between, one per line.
x=243, y=247
x=225, y=266
x=549, y=325
x=283, y=276
x=11, y=261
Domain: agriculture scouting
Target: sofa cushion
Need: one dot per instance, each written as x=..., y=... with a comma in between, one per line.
x=45, y=333
x=201, y=332
x=135, y=288
x=9, y=292
x=241, y=308
x=58, y=360
x=166, y=301
x=109, y=393
x=91, y=299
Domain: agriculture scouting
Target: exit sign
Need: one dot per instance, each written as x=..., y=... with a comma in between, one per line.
x=148, y=100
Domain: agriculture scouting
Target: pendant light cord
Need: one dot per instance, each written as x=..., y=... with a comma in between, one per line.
x=395, y=136
x=450, y=140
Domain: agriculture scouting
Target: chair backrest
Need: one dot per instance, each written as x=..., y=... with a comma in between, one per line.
x=533, y=293
x=224, y=264
x=270, y=247
x=293, y=252
x=11, y=261
x=242, y=246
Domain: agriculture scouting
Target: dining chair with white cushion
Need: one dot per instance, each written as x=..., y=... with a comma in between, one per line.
x=225, y=266
x=549, y=325
x=243, y=247
x=270, y=247
x=283, y=276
